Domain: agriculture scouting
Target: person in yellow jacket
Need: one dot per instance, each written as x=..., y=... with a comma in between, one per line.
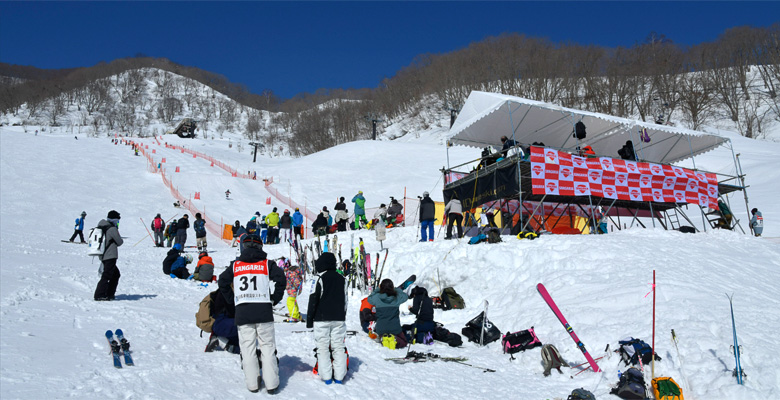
x=272, y=220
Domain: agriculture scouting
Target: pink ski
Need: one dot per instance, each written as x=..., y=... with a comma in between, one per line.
x=546, y=296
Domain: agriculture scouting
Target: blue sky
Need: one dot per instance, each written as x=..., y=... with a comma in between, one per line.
x=292, y=47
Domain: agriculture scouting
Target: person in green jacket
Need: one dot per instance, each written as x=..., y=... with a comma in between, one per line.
x=360, y=210
x=272, y=220
x=387, y=299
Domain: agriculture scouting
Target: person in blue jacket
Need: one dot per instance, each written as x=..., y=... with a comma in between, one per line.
x=179, y=267
x=79, y=228
x=297, y=223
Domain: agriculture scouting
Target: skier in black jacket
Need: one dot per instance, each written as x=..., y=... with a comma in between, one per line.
x=327, y=313
x=427, y=216
x=252, y=275
x=181, y=230
x=422, y=307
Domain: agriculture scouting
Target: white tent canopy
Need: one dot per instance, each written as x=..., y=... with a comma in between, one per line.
x=485, y=117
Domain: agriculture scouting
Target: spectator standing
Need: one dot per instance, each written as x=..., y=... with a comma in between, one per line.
x=342, y=217
x=453, y=211
x=285, y=225
x=360, y=210
x=756, y=222
x=158, y=227
x=427, y=216
x=200, y=232
x=109, y=279
x=259, y=285
x=297, y=224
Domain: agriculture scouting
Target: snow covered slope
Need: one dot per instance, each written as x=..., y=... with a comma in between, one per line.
x=52, y=331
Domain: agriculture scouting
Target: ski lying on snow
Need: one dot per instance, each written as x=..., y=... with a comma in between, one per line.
x=114, y=349
x=416, y=357
x=125, y=347
x=546, y=296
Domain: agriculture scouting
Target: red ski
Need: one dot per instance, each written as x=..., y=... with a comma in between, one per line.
x=580, y=345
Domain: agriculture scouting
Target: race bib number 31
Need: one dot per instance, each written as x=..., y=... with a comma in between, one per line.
x=250, y=282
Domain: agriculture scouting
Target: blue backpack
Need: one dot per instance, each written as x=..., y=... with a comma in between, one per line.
x=631, y=349
x=200, y=227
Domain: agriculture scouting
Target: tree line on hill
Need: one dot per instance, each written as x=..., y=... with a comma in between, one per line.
x=735, y=77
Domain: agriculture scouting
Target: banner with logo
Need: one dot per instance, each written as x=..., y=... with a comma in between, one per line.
x=559, y=173
x=453, y=176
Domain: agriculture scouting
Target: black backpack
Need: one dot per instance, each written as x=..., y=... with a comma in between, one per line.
x=494, y=236
x=631, y=385
x=443, y=335
x=474, y=330
x=581, y=394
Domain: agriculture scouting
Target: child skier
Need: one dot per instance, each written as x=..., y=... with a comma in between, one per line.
x=294, y=277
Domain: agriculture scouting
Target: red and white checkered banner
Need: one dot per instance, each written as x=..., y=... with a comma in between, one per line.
x=559, y=173
x=453, y=176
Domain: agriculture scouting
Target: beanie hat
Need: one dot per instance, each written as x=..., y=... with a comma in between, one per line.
x=197, y=215
x=84, y=214
x=203, y=254
x=325, y=262
x=753, y=211
x=425, y=194
x=177, y=246
x=274, y=209
x=253, y=241
x=113, y=214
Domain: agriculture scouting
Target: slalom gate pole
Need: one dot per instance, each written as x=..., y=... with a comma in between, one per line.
x=147, y=229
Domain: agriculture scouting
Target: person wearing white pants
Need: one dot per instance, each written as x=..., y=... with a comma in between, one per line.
x=249, y=336
x=251, y=275
x=327, y=315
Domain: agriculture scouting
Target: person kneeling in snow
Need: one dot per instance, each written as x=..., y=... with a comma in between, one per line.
x=204, y=271
x=327, y=315
x=224, y=333
x=387, y=299
x=368, y=318
x=422, y=307
x=170, y=258
x=179, y=267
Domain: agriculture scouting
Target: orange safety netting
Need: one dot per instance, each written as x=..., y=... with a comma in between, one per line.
x=211, y=226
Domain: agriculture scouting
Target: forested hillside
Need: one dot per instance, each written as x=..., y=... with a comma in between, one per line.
x=731, y=83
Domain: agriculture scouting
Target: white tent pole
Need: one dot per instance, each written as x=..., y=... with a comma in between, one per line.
x=738, y=169
x=519, y=173
x=693, y=159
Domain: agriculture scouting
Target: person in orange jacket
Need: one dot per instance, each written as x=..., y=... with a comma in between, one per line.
x=204, y=271
x=367, y=317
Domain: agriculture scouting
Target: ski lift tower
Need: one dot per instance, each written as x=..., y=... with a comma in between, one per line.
x=256, y=145
x=374, y=119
